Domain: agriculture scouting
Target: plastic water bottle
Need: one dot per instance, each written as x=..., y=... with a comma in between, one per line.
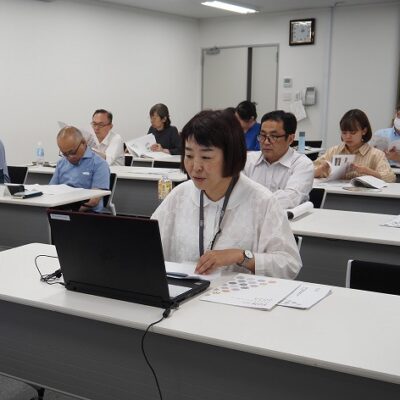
x=164, y=187
x=39, y=154
x=301, y=147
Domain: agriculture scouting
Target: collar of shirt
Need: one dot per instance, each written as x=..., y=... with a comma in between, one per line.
x=106, y=141
x=284, y=160
x=396, y=133
x=363, y=150
x=89, y=153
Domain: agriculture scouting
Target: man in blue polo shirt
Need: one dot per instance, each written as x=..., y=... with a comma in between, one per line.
x=3, y=165
x=80, y=167
x=388, y=139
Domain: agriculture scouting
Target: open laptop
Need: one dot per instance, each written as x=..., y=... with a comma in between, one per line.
x=116, y=256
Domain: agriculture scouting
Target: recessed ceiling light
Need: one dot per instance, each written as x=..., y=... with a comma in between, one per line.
x=229, y=7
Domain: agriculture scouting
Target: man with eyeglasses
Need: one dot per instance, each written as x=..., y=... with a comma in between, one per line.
x=109, y=145
x=80, y=167
x=284, y=171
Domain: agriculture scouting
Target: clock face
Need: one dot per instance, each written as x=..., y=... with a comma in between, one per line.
x=302, y=32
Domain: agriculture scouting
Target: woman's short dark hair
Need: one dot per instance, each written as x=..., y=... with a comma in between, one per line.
x=354, y=120
x=162, y=111
x=219, y=129
x=246, y=110
x=288, y=119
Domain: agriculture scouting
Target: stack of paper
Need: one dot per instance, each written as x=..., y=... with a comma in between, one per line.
x=140, y=147
x=301, y=209
x=264, y=293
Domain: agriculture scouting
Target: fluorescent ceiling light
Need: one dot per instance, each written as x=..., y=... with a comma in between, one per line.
x=229, y=7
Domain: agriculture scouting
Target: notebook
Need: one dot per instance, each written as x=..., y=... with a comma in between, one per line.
x=116, y=256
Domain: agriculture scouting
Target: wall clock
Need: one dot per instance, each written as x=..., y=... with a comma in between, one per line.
x=301, y=31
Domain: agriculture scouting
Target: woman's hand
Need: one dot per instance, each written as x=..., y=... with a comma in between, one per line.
x=214, y=259
x=323, y=170
x=156, y=147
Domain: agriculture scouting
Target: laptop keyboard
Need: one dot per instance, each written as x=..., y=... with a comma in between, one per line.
x=175, y=290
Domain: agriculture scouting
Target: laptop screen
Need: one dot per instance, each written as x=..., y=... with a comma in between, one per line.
x=119, y=257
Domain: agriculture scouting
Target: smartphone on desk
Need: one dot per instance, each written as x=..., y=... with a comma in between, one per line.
x=27, y=194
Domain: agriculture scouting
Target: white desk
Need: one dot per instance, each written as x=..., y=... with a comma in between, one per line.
x=136, y=192
x=25, y=220
x=331, y=237
x=174, y=161
x=346, y=347
x=386, y=201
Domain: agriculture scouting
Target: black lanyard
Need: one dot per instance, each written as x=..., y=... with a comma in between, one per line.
x=221, y=216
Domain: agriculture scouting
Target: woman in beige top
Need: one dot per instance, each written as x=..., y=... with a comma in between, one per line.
x=355, y=133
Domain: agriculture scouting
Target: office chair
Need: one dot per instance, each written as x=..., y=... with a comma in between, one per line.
x=166, y=164
x=17, y=174
x=299, y=241
x=317, y=197
x=373, y=276
x=310, y=143
x=107, y=200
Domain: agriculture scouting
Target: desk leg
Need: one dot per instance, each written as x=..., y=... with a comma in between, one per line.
x=102, y=361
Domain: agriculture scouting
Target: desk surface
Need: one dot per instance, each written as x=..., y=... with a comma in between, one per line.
x=347, y=225
x=54, y=200
x=337, y=334
x=138, y=173
x=391, y=190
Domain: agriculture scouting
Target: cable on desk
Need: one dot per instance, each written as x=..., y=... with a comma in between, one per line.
x=165, y=315
x=50, y=279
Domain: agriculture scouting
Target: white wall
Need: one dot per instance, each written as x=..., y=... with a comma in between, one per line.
x=365, y=64
x=363, y=72
x=62, y=60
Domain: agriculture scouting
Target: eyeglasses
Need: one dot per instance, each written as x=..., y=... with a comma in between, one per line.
x=271, y=138
x=70, y=153
x=99, y=125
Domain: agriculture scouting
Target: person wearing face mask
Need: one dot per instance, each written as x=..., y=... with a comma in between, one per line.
x=355, y=133
x=389, y=139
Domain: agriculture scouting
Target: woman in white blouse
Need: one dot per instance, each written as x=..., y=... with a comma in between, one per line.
x=220, y=218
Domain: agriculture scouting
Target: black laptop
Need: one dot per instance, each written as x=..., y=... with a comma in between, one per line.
x=116, y=256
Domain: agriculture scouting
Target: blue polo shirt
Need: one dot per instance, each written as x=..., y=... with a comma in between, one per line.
x=251, y=137
x=91, y=172
x=3, y=164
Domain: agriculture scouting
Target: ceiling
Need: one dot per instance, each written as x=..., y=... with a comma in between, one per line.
x=194, y=9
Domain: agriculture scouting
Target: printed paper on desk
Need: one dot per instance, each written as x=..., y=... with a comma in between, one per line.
x=305, y=296
x=52, y=189
x=394, y=223
x=252, y=291
x=339, y=166
x=188, y=269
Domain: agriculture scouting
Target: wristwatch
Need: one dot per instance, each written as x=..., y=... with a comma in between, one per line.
x=247, y=256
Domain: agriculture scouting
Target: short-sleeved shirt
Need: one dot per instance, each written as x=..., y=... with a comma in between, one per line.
x=113, y=147
x=3, y=164
x=250, y=136
x=91, y=172
x=290, y=178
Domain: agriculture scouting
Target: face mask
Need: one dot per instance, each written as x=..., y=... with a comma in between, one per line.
x=396, y=124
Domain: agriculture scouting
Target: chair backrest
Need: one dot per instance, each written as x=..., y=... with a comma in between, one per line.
x=299, y=241
x=310, y=143
x=317, y=197
x=107, y=200
x=373, y=276
x=17, y=174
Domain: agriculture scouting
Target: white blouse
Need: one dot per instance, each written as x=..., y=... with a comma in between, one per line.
x=253, y=221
